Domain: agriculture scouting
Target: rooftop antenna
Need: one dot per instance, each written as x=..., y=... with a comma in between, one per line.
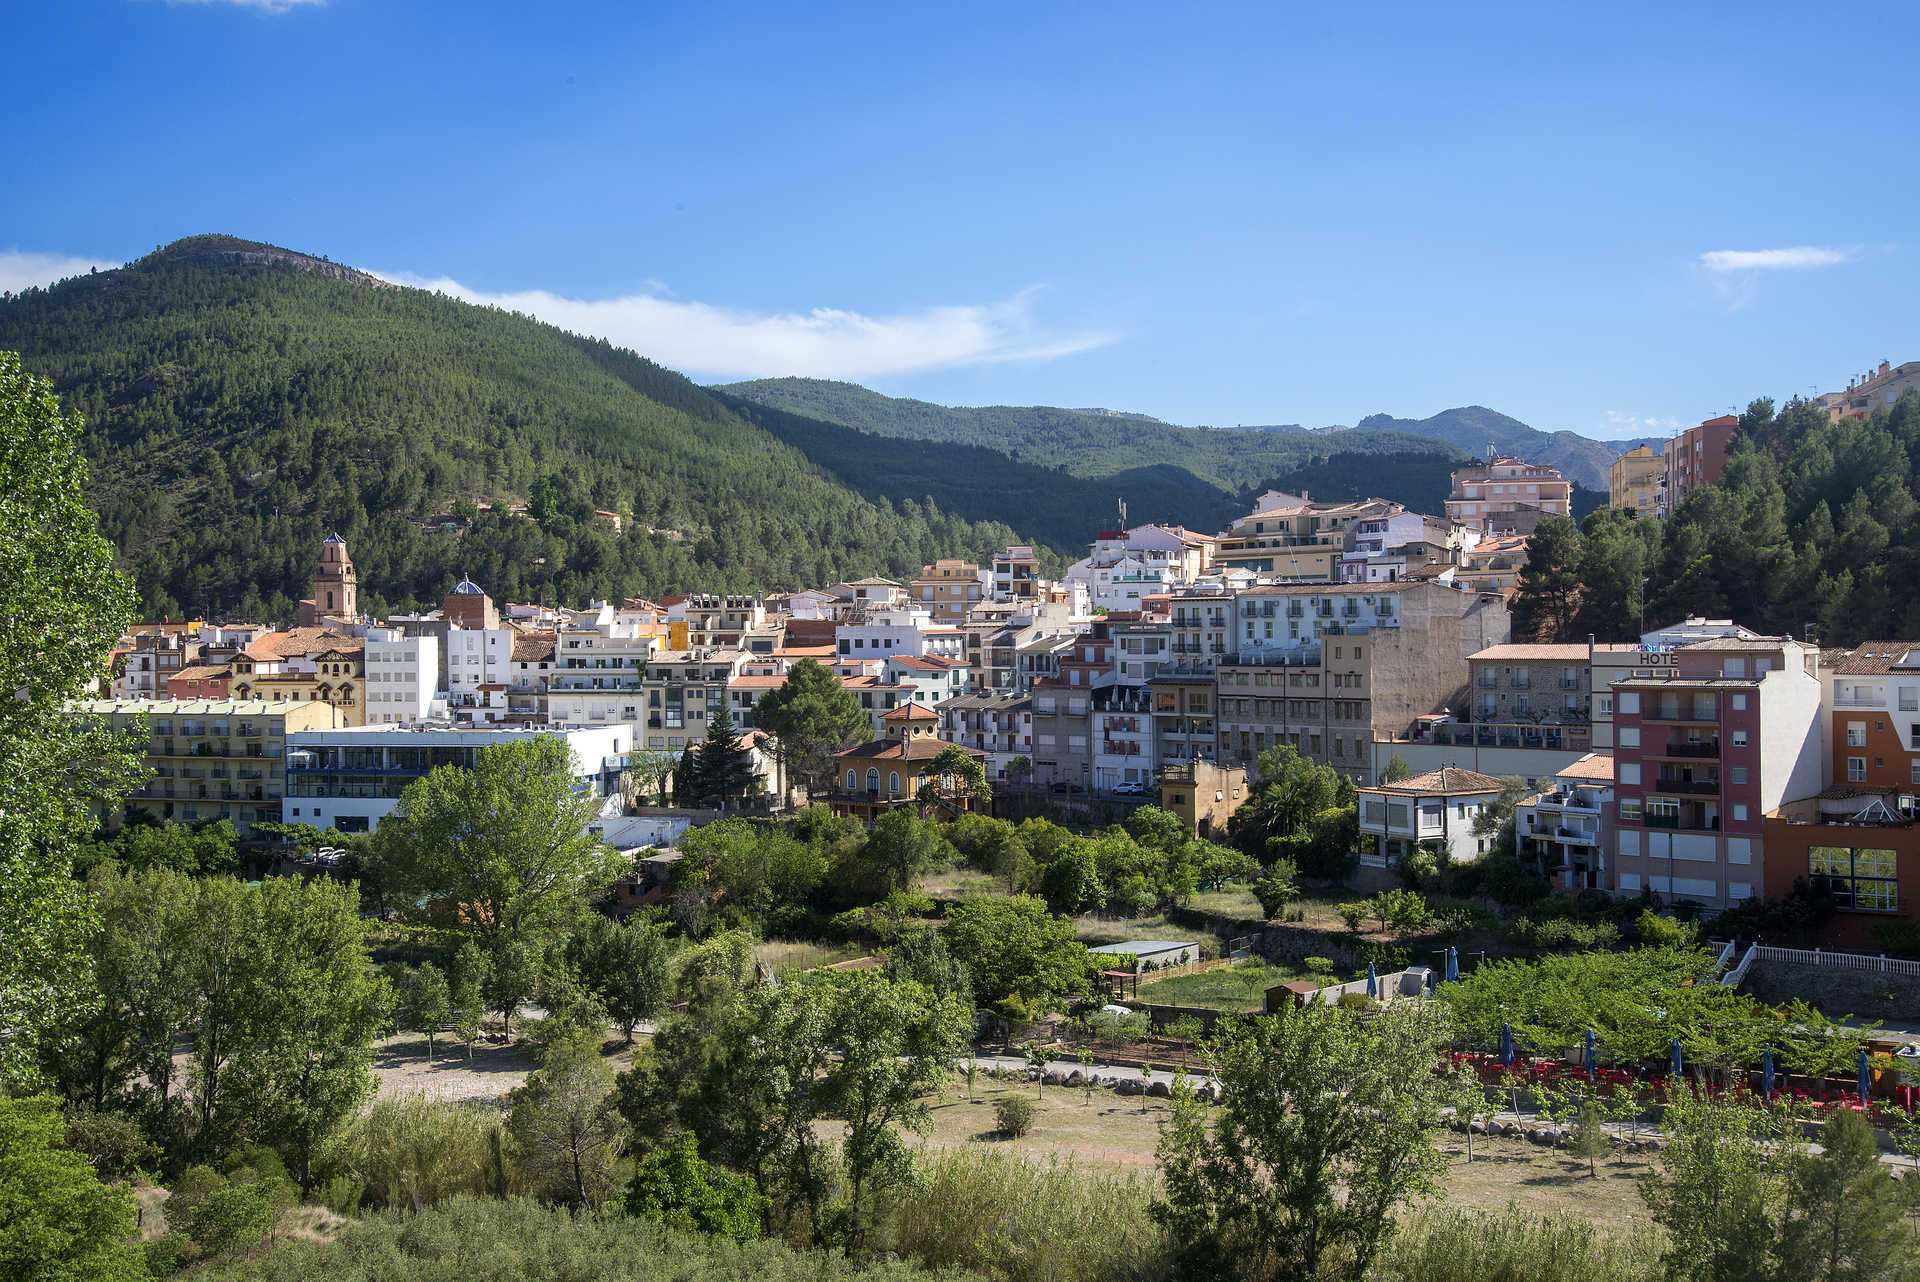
x=1123, y=514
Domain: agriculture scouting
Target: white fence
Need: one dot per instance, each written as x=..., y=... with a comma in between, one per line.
x=1816, y=957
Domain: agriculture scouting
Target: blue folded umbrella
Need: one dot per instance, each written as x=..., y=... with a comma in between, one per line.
x=1766, y=1073
x=1373, y=982
x=1589, y=1055
x=1453, y=965
x=1678, y=1073
x=1506, y=1045
x=1866, y=1079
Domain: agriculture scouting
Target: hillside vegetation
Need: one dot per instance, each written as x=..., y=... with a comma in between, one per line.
x=1088, y=444
x=242, y=401
x=1814, y=529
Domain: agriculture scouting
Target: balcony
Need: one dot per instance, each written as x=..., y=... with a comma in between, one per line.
x=1685, y=787
x=1581, y=836
x=1683, y=716
x=1707, y=749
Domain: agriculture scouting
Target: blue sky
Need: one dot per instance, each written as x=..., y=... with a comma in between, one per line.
x=1216, y=214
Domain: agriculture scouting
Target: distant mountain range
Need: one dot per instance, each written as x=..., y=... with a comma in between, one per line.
x=1093, y=442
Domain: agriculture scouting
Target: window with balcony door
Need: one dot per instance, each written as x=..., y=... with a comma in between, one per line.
x=1856, y=734
x=1663, y=810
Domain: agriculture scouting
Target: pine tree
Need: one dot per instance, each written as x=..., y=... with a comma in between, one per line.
x=725, y=767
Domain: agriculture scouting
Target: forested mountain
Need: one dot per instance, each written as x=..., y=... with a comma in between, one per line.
x=1812, y=528
x=1474, y=427
x=1095, y=443
x=241, y=401
x=1088, y=444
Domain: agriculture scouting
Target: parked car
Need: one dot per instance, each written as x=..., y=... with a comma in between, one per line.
x=1130, y=790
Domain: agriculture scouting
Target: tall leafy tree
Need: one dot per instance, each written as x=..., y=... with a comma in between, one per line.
x=64, y=605
x=314, y=1006
x=628, y=965
x=57, y=1220
x=1713, y=1191
x=813, y=716
x=1327, y=1127
x=1012, y=947
x=502, y=847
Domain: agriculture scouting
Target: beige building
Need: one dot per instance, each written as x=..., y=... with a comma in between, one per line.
x=213, y=758
x=1204, y=795
x=949, y=588
x=1870, y=391
x=1490, y=496
x=1290, y=539
x=1328, y=672
x=1635, y=480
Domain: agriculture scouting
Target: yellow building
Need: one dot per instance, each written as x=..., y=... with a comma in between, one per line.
x=876, y=777
x=1635, y=480
x=1290, y=539
x=1203, y=794
x=948, y=589
x=304, y=665
x=213, y=758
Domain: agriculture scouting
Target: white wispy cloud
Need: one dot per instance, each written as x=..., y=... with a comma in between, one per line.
x=1793, y=258
x=1621, y=425
x=19, y=270
x=261, y=6
x=823, y=342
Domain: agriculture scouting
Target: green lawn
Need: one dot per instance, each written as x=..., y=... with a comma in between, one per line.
x=1240, y=988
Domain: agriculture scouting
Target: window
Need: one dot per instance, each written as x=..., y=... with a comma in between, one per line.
x=1629, y=737
x=873, y=779
x=1910, y=698
x=1629, y=772
x=850, y=776
x=1739, y=738
x=1859, y=878
x=1856, y=769
x=1856, y=734
x=1913, y=770
x=1738, y=702
x=1630, y=810
x=1663, y=810
x=1736, y=774
x=893, y=782
x=1740, y=810
x=1628, y=703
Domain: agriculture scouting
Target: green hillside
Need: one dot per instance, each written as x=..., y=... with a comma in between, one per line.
x=1086, y=444
x=1474, y=427
x=241, y=401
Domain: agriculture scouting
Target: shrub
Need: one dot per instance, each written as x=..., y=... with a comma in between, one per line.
x=1319, y=967
x=1354, y=915
x=675, y=1185
x=1051, y=1222
x=1474, y=1246
x=1014, y=1115
x=1358, y=1003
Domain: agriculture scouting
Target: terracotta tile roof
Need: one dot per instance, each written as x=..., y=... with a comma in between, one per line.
x=755, y=683
x=300, y=643
x=1568, y=653
x=803, y=652
x=534, y=647
x=1595, y=765
x=1445, y=780
x=902, y=750
x=203, y=672
x=912, y=712
x=1874, y=658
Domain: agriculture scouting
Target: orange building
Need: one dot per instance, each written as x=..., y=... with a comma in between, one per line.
x=1697, y=457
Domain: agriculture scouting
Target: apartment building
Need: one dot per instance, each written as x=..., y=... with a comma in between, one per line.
x=1202, y=619
x=716, y=621
x=1489, y=496
x=1121, y=582
x=881, y=633
x=1203, y=795
x=1440, y=807
x=1124, y=751
x=1290, y=539
x=1493, y=565
x=213, y=758
x=1568, y=827
x=1874, y=389
x=949, y=588
x=1701, y=757
x=1183, y=717
x=1636, y=481
x=1062, y=734
x=1533, y=696
x=1328, y=670
x=302, y=665
x=529, y=671
x=1697, y=457
x=1142, y=646
x=678, y=691
x=1016, y=574
x=1386, y=547
x=403, y=676
x=999, y=726
x=599, y=674
x=928, y=680
x=352, y=778
x=479, y=670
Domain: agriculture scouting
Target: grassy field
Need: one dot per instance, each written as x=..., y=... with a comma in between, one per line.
x=1119, y=1132
x=1240, y=988
x=785, y=956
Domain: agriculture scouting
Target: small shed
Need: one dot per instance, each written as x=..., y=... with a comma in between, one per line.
x=1161, y=953
x=1297, y=993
